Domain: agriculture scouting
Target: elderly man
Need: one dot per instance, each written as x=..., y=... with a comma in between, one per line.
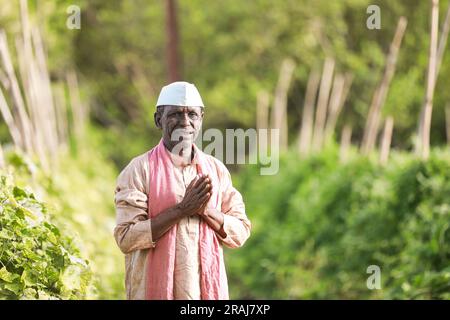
x=176, y=207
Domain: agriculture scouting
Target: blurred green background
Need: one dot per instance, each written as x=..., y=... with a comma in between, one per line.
x=317, y=224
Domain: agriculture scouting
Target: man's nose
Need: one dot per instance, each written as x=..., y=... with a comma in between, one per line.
x=184, y=119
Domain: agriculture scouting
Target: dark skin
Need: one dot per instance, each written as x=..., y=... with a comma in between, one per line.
x=187, y=122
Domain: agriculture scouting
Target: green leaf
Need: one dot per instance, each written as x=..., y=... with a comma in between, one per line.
x=19, y=193
x=7, y=276
x=28, y=278
x=13, y=287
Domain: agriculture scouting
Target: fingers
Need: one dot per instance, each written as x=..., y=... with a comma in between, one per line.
x=193, y=182
x=203, y=208
x=201, y=183
x=199, y=187
x=206, y=188
x=204, y=198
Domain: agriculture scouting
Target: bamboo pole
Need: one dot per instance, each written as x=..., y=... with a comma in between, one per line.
x=440, y=54
x=279, y=119
x=23, y=122
x=379, y=97
x=26, y=60
x=36, y=90
x=9, y=120
x=424, y=137
x=443, y=41
x=386, y=140
x=61, y=115
x=28, y=92
x=348, y=80
x=447, y=122
x=4, y=80
x=262, y=117
x=322, y=104
x=22, y=62
x=78, y=113
x=262, y=110
x=46, y=94
x=334, y=106
x=37, y=120
x=346, y=140
x=306, y=128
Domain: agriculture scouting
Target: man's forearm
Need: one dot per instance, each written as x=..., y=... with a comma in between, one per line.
x=165, y=220
x=214, y=218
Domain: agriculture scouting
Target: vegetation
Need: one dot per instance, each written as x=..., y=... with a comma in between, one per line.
x=86, y=225
x=37, y=260
x=316, y=233
x=76, y=105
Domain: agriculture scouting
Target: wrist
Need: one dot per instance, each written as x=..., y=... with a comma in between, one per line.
x=180, y=211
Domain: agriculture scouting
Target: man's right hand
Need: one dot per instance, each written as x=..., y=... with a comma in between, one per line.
x=196, y=196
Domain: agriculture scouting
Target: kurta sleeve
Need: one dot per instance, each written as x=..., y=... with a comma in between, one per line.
x=236, y=224
x=133, y=228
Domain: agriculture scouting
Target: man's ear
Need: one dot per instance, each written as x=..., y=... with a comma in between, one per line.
x=157, y=119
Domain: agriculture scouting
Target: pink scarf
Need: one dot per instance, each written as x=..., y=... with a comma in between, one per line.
x=161, y=259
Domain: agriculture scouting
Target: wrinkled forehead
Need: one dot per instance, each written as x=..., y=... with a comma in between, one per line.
x=170, y=109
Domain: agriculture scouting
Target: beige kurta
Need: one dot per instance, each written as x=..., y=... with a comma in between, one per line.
x=133, y=230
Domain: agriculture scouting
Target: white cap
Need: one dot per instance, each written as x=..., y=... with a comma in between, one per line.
x=180, y=93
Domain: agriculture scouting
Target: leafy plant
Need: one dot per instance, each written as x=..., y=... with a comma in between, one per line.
x=316, y=233
x=36, y=260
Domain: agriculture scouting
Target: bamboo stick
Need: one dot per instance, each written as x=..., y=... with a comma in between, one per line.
x=25, y=53
x=46, y=94
x=262, y=117
x=443, y=41
x=9, y=120
x=306, y=128
x=424, y=137
x=61, y=115
x=386, y=140
x=23, y=122
x=334, y=106
x=78, y=114
x=440, y=54
x=348, y=80
x=346, y=140
x=35, y=96
x=29, y=93
x=322, y=104
x=4, y=80
x=379, y=97
x=262, y=110
x=279, y=119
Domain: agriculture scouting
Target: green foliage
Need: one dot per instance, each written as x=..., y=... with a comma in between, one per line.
x=82, y=191
x=316, y=233
x=37, y=261
x=234, y=50
x=79, y=193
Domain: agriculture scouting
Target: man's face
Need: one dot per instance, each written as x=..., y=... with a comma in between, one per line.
x=179, y=124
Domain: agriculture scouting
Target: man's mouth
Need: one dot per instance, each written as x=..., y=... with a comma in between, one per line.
x=185, y=133
x=179, y=135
